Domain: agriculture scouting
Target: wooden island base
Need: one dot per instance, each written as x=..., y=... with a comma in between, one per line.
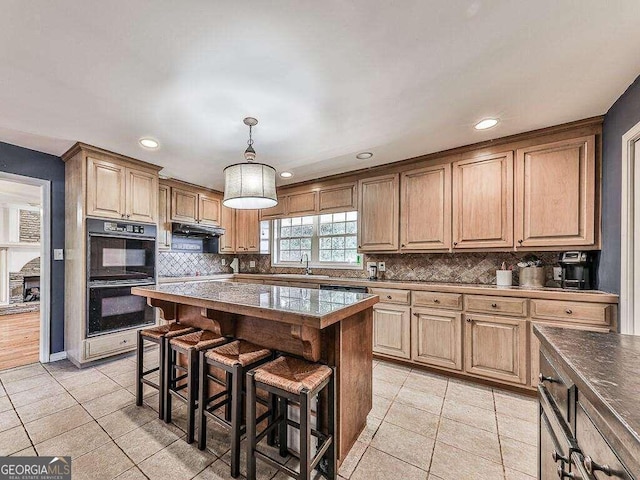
x=345, y=344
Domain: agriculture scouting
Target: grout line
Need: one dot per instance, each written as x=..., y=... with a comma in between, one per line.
x=435, y=440
x=495, y=412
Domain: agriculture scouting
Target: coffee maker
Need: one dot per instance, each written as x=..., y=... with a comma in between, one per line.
x=577, y=270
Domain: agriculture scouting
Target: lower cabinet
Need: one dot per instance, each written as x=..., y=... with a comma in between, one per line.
x=496, y=347
x=436, y=338
x=392, y=330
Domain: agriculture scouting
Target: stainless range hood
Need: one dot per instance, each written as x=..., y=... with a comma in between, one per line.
x=196, y=231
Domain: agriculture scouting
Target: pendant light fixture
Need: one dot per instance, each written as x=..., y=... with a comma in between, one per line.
x=250, y=185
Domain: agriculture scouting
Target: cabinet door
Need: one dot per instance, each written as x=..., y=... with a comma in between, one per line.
x=340, y=198
x=228, y=222
x=303, y=204
x=184, y=205
x=555, y=194
x=106, y=189
x=483, y=202
x=279, y=211
x=379, y=213
x=547, y=467
x=496, y=347
x=208, y=209
x=247, y=231
x=164, y=214
x=425, y=209
x=391, y=330
x=142, y=195
x=436, y=338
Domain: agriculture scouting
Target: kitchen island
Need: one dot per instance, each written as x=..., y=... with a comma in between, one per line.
x=329, y=326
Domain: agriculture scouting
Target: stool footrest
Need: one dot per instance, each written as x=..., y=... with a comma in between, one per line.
x=321, y=451
x=150, y=383
x=265, y=458
x=150, y=371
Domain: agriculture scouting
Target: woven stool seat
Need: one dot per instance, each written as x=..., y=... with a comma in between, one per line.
x=292, y=374
x=169, y=330
x=198, y=340
x=238, y=352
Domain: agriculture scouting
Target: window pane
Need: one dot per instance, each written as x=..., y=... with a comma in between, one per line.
x=326, y=218
x=339, y=217
x=294, y=244
x=337, y=243
x=285, y=222
x=296, y=221
x=351, y=256
x=307, y=230
x=352, y=216
x=339, y=228
x=325, y=243
x=296, y=231
x=352, y=227
x=305, y=252
x=337, y=255
x=284, y=255
x=351, y=242
x=305, y=243
x=325, y=255
x=307, y=220
x=326, y=229
x=285, y=232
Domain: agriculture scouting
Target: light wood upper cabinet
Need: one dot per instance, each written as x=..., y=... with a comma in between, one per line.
x=117, y=191
x=340, y=198
x=303, y=204
x=425, y=208
x=106, y=188
x=208, y=209
x=496, y=347
x=555, y=194
x=184, y=205
x=164, y=217
x=392, y=330
x=483, y=202
x=378, y=216
x=247, y=231
x=436, y=338
x=279, y=211
x=228, y=222
x=142, y=195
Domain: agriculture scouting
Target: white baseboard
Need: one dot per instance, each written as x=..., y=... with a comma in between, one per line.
x=54, y=357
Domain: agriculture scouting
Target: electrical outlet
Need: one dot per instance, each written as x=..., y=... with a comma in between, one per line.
x=382, y=266
x=58, y=254
x=252, y=264
x=371, y=264
x=223, y=261
x=557, y=273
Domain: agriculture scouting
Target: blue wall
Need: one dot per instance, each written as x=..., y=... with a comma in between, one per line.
x=622, y=115
x=21, y=161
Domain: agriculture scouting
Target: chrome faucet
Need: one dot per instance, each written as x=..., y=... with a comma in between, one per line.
x=307, y=270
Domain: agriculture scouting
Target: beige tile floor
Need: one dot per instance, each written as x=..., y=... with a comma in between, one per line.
x=422, y=426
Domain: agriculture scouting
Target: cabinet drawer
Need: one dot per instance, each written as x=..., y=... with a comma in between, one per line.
x=595, y=313
x=437, y=300
x=110, y=344
x=560, y=388
x=388, y=295
x=596, y=450
x=496, y=305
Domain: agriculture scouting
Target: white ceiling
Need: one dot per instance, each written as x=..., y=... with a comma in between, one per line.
x=325, y=79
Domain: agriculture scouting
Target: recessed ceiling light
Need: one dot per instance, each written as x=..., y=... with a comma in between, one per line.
x=364, y=155
x=149, y=143
x=286, y=174
x=486, y=123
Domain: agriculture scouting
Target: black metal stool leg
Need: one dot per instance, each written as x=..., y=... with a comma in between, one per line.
x=192, y=392
x=140, y=368
x=332, y=452
x=305, y=435
x=251, y=427
x=283, y=428
x=170, y=370
x=202, y=402
x=227, y=408
x=161, y=366
x=273, y=406
x=237, y=378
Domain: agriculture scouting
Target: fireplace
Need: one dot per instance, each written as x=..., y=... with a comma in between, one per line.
x=31, y=288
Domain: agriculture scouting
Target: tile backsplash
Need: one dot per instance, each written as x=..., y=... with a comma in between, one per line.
x=470, y=268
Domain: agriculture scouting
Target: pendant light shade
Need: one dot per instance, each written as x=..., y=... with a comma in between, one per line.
x=249, y=186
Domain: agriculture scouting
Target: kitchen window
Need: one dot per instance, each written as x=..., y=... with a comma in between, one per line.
x=329, y=241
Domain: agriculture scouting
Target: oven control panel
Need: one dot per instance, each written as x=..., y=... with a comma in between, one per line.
x=123, y=228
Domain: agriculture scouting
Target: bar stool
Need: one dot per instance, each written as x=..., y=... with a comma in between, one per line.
x=155, y=335
x=189, y=345
x=235, y=359
x=297, y=380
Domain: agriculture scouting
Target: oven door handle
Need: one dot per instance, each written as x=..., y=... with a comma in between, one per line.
x=120, y=285
x=127, y=237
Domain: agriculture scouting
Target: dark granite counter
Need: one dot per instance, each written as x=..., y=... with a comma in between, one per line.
x=606, y=370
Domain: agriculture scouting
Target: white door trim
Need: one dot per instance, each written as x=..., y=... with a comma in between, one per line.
x=630, y=221
x=45, y=259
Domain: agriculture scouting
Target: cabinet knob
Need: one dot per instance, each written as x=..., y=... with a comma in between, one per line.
x=455, y=243
x=403, y=245
x=469, y=320
x=591, y=466
x=435, y=300
x=520, y=242
x=543, y=379
x=359, y=246
x=559, y=457
x=128, y=215
x=389, y=297
x=568, y=311
x=494, y=305
x=562, y=473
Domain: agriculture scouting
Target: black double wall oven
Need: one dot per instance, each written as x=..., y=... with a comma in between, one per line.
x=120, y=256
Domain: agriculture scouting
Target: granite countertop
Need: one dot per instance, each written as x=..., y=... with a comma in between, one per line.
x=304, y=306
x=606, y=370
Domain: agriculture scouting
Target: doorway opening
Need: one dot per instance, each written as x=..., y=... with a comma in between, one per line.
x=25, y=239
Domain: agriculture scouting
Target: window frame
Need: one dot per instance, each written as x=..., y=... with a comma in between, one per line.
x=314, y=260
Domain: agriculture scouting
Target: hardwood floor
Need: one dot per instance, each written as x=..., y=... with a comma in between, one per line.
x=19, y=339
